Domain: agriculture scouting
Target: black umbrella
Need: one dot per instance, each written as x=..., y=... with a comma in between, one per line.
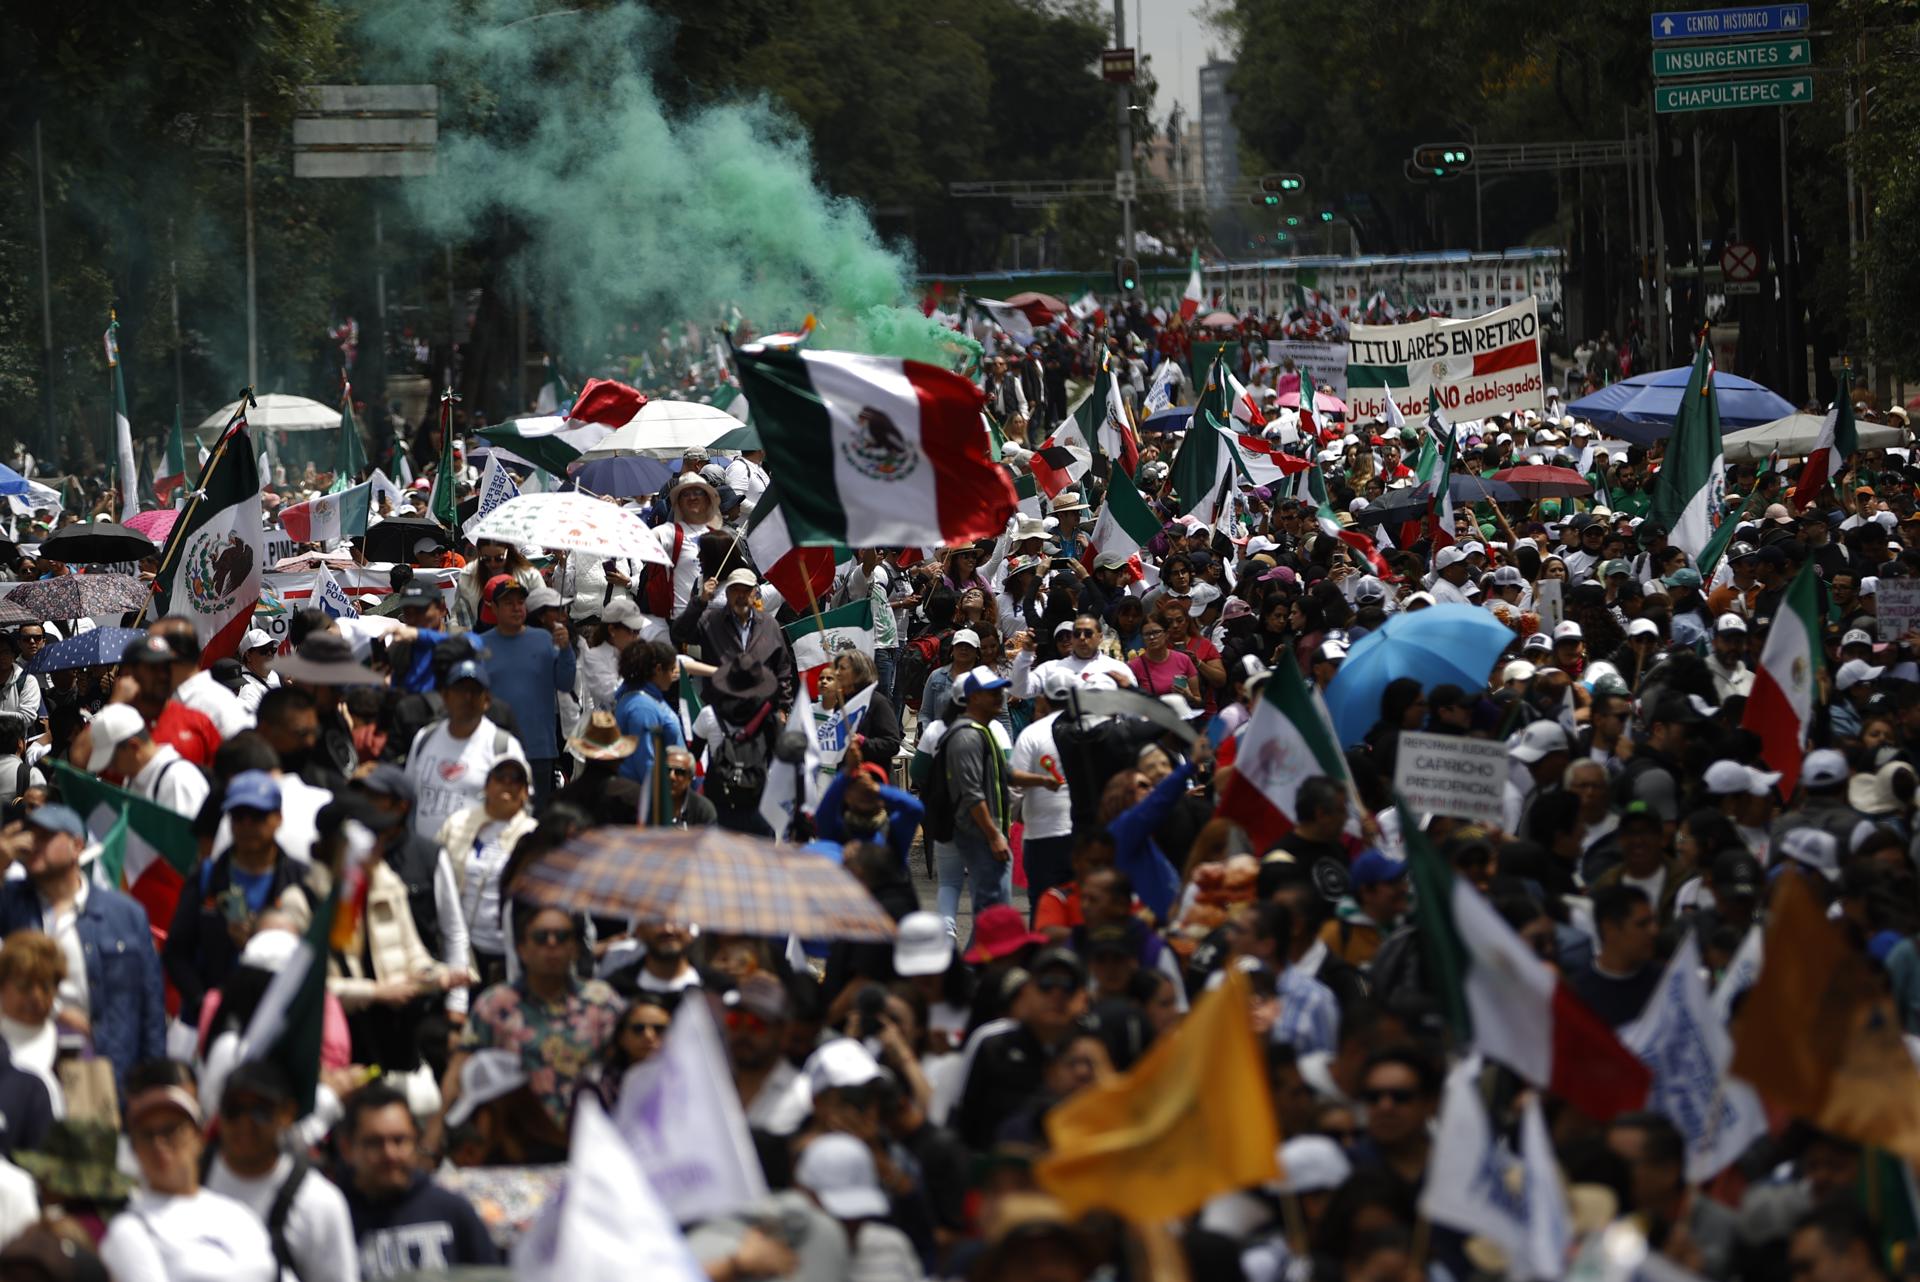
x=97, y=543
x=394, y=538
x=1395, y=505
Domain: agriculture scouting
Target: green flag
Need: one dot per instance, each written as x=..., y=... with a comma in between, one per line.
x=156, y=838
x=1688, y=492
x=444, y=503
x=353, y=455
x=175, y=475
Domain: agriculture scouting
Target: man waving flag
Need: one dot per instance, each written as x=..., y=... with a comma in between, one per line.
x=1837, y=444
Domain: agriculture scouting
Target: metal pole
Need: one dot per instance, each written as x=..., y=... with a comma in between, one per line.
x=1479, y=241
x=1699, y=232
x=253, y=312
x=1123, y=117
x=1787, y=350
x=49, y=448
x=1660, y=323
x=380, y=274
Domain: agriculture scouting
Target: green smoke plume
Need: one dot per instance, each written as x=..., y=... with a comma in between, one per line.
x=553, y=138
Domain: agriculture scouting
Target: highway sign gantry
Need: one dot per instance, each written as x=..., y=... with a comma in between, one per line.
x=1721, y=95
x=1754, y=55
x=1746, y=21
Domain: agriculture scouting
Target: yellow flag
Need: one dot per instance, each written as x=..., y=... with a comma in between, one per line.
x=1818, y=1037
x=1193, y=1119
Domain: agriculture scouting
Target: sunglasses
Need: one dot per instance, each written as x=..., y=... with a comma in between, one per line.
x=1390, y=1095
x=680, y=772
x=549, y=938
x=1086, y=632
x=745, y=1020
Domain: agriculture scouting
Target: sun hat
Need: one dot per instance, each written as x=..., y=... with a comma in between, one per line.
x=600, y=739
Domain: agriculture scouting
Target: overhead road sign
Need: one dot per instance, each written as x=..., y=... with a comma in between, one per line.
x=1751, y=55
x=1720, y=24
x=1722, y=95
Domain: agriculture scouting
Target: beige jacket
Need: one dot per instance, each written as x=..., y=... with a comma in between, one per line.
x=393, y=942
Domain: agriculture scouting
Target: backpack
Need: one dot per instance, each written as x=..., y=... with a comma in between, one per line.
x=281, y=1208
x=656, y=581
x=737, y=774
x=938, y=796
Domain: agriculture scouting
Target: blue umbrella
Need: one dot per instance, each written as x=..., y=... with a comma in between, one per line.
x=11, y=482
x=621, y=478
x=95, y=649
x=1168, y=420
x=1641, y=409
x=1441, y=644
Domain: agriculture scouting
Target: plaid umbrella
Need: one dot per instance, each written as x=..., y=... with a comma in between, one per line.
x=716, y=879
x=77, y=596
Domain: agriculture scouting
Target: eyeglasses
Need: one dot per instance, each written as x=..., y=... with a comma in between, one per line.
x=1390, y=1095
x=549, y=938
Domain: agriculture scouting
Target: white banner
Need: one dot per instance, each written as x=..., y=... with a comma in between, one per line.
x=835, y=729
x=1478, y=367
x=1327, y=362
x=682, y=1117
x=1441, y=774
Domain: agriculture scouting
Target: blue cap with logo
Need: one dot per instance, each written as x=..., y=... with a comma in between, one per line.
x=469, y=670
x=251, y=790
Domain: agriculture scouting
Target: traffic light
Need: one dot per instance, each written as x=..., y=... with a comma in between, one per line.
x=1443, y=159
x=1282, y=182
x=1293, y=220
x=1263, y=200
x=1326, y=215
x=1126, y=275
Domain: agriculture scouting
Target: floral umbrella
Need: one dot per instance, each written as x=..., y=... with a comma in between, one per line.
x=77, y=596
x=575, y=522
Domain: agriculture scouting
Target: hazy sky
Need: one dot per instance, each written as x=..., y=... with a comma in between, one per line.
x=1173, y=33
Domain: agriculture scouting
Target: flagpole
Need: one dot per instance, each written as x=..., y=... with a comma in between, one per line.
x=171, y=552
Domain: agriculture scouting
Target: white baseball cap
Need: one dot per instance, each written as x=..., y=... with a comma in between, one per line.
x=1568, y=631
x=839, y=1064
x=486, y=1075
x=1812, y=848
x=256, y=639
x=1518, y=670
x=1857, y=636
x=1313, y=1164
x=1448, y=556
x=112, y=726
x=1823, y=768
x=922, y=945
x=1855, y=671
x=1537, y=740
x=1730, y=778
x=967, y=636
x=1643, y=628
x=1730, y=623
x=839, y=1171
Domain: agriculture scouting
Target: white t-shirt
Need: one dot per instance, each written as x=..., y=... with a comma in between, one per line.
x=450, y=774
x=686, y=569
x=319, y=1229
x=1026, y=677
x=19, y=1201
x=1047, y=811
x=169, y=780
x=204, y=1238
x=480, y=898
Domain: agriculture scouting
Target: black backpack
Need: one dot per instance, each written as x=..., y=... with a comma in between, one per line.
x=737, y=774
x=937, y=796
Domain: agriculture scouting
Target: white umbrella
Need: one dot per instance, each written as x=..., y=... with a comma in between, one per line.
x=1796, y=435
x=278, y=412
x=573, y=522
x=666, y=430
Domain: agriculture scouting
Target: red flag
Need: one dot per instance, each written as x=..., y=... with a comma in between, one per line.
x=606, y=402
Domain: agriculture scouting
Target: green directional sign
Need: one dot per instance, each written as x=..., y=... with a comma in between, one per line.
x=1755, y=55
x=1722, y=95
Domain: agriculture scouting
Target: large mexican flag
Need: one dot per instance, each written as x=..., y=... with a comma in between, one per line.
x=872, y=451
x=1785, y=690
x=145, y=848
x=1288, y=740
x=1507, y=1003
x=1693, y=477
x=211, y=567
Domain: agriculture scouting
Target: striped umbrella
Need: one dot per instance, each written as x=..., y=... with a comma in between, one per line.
x=709, y=877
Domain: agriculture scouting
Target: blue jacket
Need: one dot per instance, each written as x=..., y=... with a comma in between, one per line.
x=904, y=813
x=640, y=710
x=1138, y=855
x=124, y=986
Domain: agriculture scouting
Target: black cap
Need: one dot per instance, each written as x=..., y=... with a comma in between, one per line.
x=1675, y=707
x=1738, y=873
x=1640, y=812
x=149, y=650
x=1058, y=959
x=418, y=595
x=1110, y=938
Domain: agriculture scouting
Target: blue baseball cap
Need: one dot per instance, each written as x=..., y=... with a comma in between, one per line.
x=981, y=679
x=58, y=818
x=1374, y=869
x=468, y=670
x=251, y=790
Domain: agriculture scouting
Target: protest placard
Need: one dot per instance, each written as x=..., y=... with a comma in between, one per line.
x=1477, y=367
x=1440, y=774
x=1897, y=607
